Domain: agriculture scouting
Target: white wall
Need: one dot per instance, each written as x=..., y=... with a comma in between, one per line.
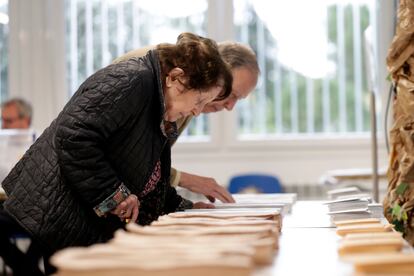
x=295, y=161
x=37, y=70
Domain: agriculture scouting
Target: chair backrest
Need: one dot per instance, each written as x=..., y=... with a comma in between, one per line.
x=261, y=183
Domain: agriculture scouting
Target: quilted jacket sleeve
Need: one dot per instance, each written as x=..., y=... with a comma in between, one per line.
x=103, y=104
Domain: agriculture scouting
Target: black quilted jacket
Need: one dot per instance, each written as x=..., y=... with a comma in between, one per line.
x=108, y=133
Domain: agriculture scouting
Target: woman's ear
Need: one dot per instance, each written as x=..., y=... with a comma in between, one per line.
x=173, y=75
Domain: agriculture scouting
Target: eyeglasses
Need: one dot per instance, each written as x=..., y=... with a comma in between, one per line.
x=10, y=120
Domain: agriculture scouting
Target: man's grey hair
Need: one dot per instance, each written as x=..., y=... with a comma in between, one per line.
x=24, y=109
x=239, y=55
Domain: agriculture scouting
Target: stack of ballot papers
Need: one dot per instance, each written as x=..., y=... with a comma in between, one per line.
x=371, y=242
x=359, y=195
x=343, y=192
x=363, y=228
x=376, y=242
x=351, y=203
x=396, y=263
x=374, y=247
x=279, y=200
x=120, y=259
x=219, y=242
x=357, y=206
x=274, y=197
x=284, y=208
x=350, y=214
x=270, y=214
x=262, y=241
x=376, y=209
x=349, y=208
x=357, y=221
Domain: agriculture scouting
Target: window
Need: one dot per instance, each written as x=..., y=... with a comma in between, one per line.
x=99, y=31
x=311, y=54
x=4, y=49
x=312, y=58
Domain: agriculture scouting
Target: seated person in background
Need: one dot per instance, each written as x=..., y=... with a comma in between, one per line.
x=245, y=70
x=16, y=113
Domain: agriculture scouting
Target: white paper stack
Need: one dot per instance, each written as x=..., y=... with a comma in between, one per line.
x=282, y=206
x=350, y=203
x=359, y=195
x=278, y=200
x=343, y=192
x=376, y=209
x=273, y=197
x=358, y=206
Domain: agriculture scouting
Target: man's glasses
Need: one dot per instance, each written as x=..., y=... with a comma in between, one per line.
x=6, y=120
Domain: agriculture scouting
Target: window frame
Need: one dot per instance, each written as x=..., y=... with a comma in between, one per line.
x=37, y=78
x=223, y=125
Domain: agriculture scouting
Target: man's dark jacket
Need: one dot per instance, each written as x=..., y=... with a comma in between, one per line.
x=108, y=133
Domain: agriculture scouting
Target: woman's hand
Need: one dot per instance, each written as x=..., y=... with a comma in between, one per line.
x=206, y=186
x=128, y=209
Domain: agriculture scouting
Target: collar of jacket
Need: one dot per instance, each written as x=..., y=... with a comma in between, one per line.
x=168, y=129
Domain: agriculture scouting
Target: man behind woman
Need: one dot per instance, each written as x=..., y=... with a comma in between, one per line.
x=245, y=70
